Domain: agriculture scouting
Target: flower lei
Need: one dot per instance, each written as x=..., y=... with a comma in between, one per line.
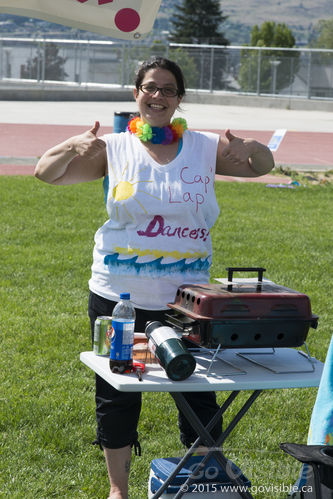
x=165, y=135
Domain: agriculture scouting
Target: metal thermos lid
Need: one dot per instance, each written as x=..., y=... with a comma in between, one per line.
x=150, y=326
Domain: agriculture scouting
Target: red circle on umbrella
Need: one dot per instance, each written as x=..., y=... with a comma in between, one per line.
x=127, y=19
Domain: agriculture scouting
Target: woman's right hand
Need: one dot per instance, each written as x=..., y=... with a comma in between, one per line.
x=81, y=158
x=87, y=144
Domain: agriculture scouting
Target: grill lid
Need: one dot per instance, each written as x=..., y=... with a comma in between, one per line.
x=248, y=298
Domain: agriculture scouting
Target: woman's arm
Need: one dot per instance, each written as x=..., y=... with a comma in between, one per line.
x=242, y=157
x=78, y=159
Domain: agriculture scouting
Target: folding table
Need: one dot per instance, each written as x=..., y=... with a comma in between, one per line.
x=232, y=370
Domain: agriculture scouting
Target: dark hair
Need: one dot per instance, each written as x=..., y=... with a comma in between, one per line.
x=162, y=63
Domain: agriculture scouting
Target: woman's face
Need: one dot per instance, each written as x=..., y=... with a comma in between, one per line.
x=156, y=109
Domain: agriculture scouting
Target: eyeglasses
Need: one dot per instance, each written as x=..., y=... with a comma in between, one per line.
x=151, y=89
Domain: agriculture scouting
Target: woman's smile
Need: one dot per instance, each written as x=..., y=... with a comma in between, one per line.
x=156, y=106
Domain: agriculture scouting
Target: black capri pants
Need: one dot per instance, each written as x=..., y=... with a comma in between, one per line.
x=117, y=413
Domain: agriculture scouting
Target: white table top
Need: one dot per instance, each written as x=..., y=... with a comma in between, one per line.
x=285, y=368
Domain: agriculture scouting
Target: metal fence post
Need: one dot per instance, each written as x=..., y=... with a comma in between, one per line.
x=1, y=60
x=80, y=64
x=201, y=70
x=76, y=78
x=259, y=71
x=38, y=62
x=43, y=61
x=88, y=61
x=309, y=76
x=211, y=72
x=122, y=64
x=291, y=81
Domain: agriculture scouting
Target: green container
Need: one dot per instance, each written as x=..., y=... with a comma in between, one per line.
x=170, y=351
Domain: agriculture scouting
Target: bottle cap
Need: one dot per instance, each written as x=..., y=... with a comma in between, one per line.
x=125, y=296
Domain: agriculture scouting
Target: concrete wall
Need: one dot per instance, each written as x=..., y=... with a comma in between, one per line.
x=17, y=91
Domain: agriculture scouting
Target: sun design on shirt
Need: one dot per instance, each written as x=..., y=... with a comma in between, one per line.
x=124, y=190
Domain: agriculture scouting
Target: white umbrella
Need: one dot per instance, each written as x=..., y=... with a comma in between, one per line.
x=125, y=19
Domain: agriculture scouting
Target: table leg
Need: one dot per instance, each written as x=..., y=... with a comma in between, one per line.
x=190, y=451
x=206, y=439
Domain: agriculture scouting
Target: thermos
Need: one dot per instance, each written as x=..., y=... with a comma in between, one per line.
x=171, y=353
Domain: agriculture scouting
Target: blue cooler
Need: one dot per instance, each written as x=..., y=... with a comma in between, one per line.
x=120, y=121
x=211, y=482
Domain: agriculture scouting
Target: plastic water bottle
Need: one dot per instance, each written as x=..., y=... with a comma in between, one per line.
x=170, y=351
x=122, y=340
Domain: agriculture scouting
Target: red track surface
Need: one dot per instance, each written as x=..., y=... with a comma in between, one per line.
x=30, y=141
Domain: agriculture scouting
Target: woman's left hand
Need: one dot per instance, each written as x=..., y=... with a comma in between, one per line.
x=237, y=149
x=239, y=157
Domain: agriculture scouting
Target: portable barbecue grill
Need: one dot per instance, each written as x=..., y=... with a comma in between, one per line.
x=247, y=313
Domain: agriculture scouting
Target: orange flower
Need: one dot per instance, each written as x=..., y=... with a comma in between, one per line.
x=178, y=129
x=133, y=124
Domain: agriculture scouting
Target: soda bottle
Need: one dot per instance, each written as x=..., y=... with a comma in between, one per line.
x=170, y=351
x=122, y=340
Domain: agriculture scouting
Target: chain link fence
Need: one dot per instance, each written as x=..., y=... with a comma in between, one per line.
x=269, y=71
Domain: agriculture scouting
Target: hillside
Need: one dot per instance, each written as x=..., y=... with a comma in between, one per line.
x=292, y=12
x=299, y=15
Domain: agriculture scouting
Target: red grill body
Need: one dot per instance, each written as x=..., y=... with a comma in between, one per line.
x=245, y=314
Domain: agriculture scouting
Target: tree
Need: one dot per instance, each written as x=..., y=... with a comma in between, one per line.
x=197, y=21
x=276, y=68
x=51, y=69
x=323, y=38
x=324, y=32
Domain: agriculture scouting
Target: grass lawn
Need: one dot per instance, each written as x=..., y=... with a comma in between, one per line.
x=47, y=396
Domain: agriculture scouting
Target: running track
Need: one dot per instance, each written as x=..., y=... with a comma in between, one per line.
x=22, y=144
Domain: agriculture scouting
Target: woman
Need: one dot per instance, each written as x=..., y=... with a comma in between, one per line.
x=159, y=192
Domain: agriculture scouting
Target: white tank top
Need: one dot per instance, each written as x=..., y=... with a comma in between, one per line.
x=158, y=233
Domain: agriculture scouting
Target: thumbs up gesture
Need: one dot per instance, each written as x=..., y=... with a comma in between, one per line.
x=87, y=144
x=237, y=149
x=242, y=157
x=95, y=128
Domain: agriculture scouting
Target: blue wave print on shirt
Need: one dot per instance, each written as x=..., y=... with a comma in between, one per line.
x=155, y=267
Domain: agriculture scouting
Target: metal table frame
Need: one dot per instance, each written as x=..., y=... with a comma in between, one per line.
x=246, y=375
x=206, y=439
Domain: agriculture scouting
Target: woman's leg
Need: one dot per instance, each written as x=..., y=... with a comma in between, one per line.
x=118, y=462
x=118, y=412
x=117, y=415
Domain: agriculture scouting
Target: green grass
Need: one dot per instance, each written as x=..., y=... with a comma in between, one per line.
x=47, y=396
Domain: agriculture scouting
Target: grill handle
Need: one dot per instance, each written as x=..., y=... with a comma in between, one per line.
x=231, y=270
